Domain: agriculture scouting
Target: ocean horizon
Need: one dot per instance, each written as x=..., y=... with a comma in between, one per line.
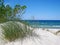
x=44, y=23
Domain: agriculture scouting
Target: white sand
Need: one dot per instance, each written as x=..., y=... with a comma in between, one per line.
x=45, y=38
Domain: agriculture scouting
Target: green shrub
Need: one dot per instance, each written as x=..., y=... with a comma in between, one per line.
x=13, y=31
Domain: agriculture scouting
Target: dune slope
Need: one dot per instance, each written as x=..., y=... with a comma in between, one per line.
x=44, y=38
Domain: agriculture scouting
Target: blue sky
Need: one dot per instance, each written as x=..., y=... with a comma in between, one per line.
x=38, y=9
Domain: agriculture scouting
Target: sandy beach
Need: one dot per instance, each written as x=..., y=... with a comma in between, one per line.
x=46, y=37
x=29, y=22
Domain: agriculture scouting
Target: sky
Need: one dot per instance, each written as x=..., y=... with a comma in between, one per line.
x=38, y=9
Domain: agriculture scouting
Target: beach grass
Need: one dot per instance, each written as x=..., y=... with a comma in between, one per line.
x=13, y=31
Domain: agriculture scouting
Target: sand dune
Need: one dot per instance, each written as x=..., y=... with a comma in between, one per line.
x=45, y=38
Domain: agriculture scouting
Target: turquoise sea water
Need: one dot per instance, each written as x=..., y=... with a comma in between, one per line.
x=44, y=23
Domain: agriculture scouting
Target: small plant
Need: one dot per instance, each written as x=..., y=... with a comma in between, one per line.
x=57, y=32
x=14, y=30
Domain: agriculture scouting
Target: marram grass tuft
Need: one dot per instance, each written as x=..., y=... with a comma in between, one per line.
x=13, y=31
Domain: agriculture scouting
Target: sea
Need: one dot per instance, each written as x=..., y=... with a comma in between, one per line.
x=44, y=23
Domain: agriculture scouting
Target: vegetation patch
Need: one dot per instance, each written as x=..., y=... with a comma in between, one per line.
x=13, y=31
